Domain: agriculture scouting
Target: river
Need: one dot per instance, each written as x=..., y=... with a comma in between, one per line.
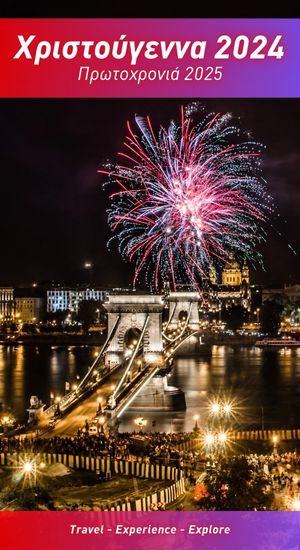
x=262, y=385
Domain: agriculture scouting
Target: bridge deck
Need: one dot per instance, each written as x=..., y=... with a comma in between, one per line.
x=86, y=409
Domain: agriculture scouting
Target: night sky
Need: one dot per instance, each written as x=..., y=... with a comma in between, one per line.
x=53, y=208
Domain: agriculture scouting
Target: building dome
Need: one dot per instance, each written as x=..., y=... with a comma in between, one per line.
x=231, y=275
x=232, y=264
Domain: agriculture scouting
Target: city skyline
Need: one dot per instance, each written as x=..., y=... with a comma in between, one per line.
x=54, y=218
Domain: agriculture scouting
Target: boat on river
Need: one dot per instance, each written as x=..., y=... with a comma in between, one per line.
x=277, y=343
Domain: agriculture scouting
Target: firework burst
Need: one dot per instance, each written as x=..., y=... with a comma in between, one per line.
x=187, y=198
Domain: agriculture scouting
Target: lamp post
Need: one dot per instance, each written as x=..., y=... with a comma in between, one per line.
x=99, y=401
x=58, y=400
x=275, y=441
x=88, y=266
x=102, y=422
x=29, y=470
x=215, y=408
x=257, y=315
x=209, y=440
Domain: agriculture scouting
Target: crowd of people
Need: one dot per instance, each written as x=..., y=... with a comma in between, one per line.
x=159, y=447
x=280, y=470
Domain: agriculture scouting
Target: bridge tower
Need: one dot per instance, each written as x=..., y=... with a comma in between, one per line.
x=136, y=315
x=183, y=305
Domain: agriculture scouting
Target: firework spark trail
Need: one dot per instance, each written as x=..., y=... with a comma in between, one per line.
x=187, y=198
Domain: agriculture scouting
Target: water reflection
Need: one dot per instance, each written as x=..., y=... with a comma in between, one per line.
x=38, y=370
x=265, y=383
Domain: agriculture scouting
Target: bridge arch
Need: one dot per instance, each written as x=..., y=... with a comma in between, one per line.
x=184, y=304
x=131, y=338
x=137, y=313
x=183, y=315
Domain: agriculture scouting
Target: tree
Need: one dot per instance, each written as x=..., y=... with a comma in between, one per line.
x=57, y=317
x=270, y=316
x=234, y=316
x=87, y=313
x=235, y=485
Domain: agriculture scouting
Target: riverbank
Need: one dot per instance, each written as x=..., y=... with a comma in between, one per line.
x=53, y=339
x=95, y=339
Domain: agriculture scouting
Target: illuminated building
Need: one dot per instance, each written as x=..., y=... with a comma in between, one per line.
x=234, y=288
x=68, y=298
x=6, y=303
x=29, y=309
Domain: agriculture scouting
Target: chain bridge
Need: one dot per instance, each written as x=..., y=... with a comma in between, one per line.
x=131, y=370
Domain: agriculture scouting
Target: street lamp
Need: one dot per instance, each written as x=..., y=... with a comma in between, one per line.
x=209, y=439
x=227, y=408
x=99, y=401
x=102, y=422
x=222, y=437
x=275, y=441
x=88, y=266
x=257, y=315
x=58, y=400
x=29, y=471
x=215, y=408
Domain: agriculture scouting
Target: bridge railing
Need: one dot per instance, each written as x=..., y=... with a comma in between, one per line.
x=183, y=329
x=132, y=358
x=125, y=400
x=71, y=396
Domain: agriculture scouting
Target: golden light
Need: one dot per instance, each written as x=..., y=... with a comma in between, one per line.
x=227, y=408
x=28, y=467
x=102, y=420
x=96, y=353
x=135, y=342
x=215, y=408
x=113, y=387
x=140, y=421
x=99, y=399
x=58, y=399
x=42, y=465
x=222, y=437
x=196, y=417
x=275, y=439
x=74, y=387
x=296, y=504
x=209, y=439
